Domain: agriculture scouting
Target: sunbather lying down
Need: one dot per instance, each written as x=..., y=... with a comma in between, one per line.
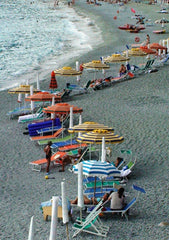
x=92, y=201
x=66, y=159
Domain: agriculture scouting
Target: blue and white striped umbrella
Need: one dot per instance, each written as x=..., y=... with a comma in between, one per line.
x=98, y=168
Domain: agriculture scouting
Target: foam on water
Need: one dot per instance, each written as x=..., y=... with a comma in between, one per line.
x=37, y=37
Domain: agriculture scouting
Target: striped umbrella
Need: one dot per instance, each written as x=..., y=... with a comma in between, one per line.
x=98, y=168
x=67, y=71
x=96, y=137
x=89, y=126
x=115, y=58
x=53, y=83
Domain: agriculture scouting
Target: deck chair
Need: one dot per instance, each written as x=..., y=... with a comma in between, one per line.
x=48, y=137
x=92, y=223
x=72, y=147
x=54, y=140
x=31, y=117
x=37, y=165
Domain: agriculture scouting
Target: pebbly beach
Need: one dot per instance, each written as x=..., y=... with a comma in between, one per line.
x=137, y=109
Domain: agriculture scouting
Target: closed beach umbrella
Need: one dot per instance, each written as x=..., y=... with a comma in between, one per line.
x=67, y=71
x=53, y=83
x=89, y=126
x=42, y=97
x=115, y=58
x=96, y=137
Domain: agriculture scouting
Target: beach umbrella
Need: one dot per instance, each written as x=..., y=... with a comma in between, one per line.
x=96, y=136
x=89, y=126
x=62, y=108
x=115, y=58
x=42, y=97
x=67, y=71
x=22, y=89
x=94, y=168
x=64, y=207
x=157, y=46
x=53, y=83
x=31, y=230
x=96, y=65
x=80, y=202
x=135, y=52
x=54, y=217
x=147, y=50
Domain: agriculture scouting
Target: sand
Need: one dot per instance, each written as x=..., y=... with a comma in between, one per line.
x=137, y=109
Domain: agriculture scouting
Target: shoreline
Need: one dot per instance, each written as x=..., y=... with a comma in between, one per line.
x=137, y=109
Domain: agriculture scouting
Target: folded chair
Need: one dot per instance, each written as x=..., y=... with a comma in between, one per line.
x=92, y=224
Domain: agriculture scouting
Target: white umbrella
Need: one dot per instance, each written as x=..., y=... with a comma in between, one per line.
x=31, y=230
x=80, y=202
x=55, y=201
x=64, y=208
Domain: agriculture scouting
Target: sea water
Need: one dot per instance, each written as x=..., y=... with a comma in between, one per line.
x=38, y=36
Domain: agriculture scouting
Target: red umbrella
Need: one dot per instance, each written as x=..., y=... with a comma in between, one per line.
x=157, y=46
x=147, y=50
x=43, y=97
x=53, y=82
x=62, y=108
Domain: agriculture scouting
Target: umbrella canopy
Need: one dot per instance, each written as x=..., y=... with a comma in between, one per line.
x=42, y=97
x=53, y=83
x=22, y=89
x=67, y=71
x=135, y=52
x=96, y=64
x=157, y=46
x=96, y=137
x=62, y=108
x=89, y=126
x=147, y=50
x=114, y=58
x=162, y=20
x=98, y=168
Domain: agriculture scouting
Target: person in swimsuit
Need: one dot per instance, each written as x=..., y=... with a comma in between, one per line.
x=48, y=152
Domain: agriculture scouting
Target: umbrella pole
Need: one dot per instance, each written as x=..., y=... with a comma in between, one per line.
x=94, y=187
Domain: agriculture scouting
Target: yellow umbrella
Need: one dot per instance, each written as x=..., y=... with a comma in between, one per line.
x=89, y=126
x=96, y=64
x=67, y=71
x=134, y=52
x=114, y=58
x=22, y=89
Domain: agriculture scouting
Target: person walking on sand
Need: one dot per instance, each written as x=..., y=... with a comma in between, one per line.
x=48, y=152
x=147, y=39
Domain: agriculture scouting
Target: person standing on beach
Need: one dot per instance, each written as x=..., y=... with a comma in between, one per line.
x=147, y=39
x=48, y=152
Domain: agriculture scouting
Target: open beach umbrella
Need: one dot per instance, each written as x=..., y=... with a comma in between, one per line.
x=42, y=97
x=67, y=71
x=22, y=89
x=157, y=46
x=147, y=50
x=96, y=65
x=53, y=83
x=96, y=136
x=135, y=52
x=89, y=126
x=62, y=108
x=115, y=58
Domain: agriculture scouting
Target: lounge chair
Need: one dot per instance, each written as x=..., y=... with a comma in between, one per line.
x=48, y=137
x=123, y=212
x=56, y=140
x=31, y=117
x=76, y=89
x=145, y=68
x=37, y=165
x=72, y=147
x=92, y=223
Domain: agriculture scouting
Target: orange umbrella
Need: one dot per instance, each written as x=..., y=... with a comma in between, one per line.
x=157, y=46
x=62, y=108
x=43, y=97
x=147, y=50
x=53, y=82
